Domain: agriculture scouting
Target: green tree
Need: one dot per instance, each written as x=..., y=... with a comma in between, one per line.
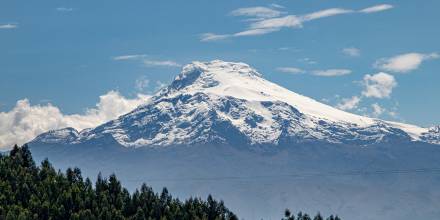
x=32, y=192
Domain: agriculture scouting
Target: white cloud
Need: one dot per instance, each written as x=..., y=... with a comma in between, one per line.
x=130, y=57
x=393, y=114
x=377, y=110
x=379, y=85
x=267, y=20
x=294, y=21
x=273, y=5
x=325, y=13
x=258, y=12
x=252, y=32
x=405, y=62
x=307, y=60
x=147, y=62
x=168, y=63
x=25, y=121
x=142, y=83
x=376, y=8
x=351, y=51
x=331, y=72
x=290, y=21
x=292, y=70
x=349, y=103
x=8, y=26
x=64, y=9
x=205, y=37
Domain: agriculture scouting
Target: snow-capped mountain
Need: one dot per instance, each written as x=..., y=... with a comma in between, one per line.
x=231, y=103
x=220, y=128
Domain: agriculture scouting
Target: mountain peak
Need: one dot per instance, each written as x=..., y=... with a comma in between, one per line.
x=231, y=102
x=222, y=67
x=213, y=73
x=234, y=79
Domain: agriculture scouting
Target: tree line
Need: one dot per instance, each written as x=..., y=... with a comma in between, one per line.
x=28, y=191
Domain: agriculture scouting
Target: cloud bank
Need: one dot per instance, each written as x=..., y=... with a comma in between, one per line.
x=25, y=121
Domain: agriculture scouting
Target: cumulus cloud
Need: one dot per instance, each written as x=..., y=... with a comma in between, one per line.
x=376, y=8
x=331, y=72
x=351, y=51
x=405, y=62
x=349, y=103
x=264, y=20
x=25, y=121
x=258, y=12
x=8, y=26
x=292, y=70
x=379, y=85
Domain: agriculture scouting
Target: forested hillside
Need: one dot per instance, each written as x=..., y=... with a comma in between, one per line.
x=28, y=191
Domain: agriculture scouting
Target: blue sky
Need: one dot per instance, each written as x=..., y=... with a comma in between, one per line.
x=69, y=53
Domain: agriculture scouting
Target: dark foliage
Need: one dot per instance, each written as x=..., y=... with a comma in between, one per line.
x=302, y=216
x=30, y=192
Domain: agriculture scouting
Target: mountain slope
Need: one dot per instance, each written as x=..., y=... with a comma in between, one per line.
x=225, y=102
x=220, y=128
